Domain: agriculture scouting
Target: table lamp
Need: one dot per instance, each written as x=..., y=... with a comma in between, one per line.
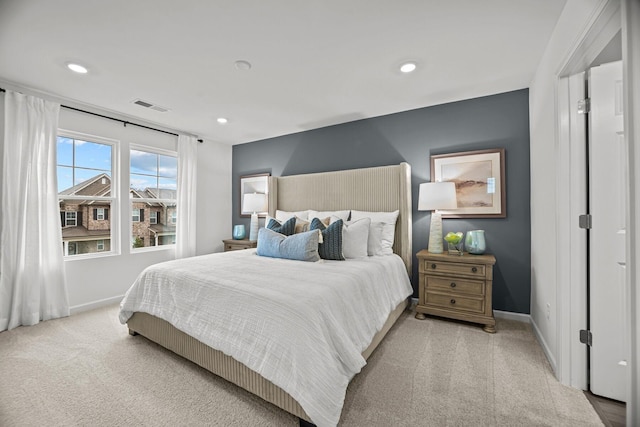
x=254, y=202
x=433, y=196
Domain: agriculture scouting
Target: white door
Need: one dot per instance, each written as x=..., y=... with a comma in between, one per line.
x=608, y=182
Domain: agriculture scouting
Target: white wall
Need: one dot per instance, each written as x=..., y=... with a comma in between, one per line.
x=573, y=23
x=96, y=281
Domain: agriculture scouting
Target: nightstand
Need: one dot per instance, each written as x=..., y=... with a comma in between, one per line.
x=236, y=245
x=457, y=287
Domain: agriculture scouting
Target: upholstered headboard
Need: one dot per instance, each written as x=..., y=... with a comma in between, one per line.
x=381, y=189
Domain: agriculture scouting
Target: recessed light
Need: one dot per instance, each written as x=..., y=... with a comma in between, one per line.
x=242, y=65
x=222, y=120
x=408, y=67
x=77, y=68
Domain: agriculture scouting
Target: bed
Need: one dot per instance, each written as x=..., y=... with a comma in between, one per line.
x=379, y=189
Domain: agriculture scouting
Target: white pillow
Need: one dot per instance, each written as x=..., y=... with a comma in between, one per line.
x=343, y=215
x=284, y=215
x=380, y=241
x=355, y=237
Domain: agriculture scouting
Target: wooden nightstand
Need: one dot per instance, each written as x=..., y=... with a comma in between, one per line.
x=236, y=245
x=457, y=287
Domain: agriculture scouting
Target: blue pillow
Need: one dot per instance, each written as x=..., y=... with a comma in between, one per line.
x=301, y=246
x=331, y=246
x=287, y=228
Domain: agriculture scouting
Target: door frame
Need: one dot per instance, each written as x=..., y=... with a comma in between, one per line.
x=608, y=18
x=571, y=152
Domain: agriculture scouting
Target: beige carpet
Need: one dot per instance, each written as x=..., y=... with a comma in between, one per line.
x=86, y=370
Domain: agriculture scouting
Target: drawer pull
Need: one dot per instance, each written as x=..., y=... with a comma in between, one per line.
x=474, y=269
x=453, y=284
x=453, y=301
x=433, y=266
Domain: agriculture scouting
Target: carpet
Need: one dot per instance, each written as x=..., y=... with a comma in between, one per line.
x=86, y=370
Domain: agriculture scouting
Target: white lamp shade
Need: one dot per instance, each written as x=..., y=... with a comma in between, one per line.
x=437, y=195
x=254, y=202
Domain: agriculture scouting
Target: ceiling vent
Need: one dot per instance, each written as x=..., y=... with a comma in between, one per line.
x=150, y=106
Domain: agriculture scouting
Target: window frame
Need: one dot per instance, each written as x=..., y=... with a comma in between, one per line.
x=162, y=152
x=67, y=219
x=113, y=200
x=100, y=245
x=98, y=214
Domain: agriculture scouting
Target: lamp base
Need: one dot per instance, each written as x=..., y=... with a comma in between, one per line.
x=253, y=230
x=435, y=234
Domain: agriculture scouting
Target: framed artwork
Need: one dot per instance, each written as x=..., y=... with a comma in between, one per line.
x=258, y=183
x=479, y=179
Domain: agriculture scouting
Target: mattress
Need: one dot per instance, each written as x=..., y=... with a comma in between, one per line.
x=302, y=326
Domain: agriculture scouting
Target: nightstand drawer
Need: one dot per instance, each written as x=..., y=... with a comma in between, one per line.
x=433, y=266
x=454, y=284
x=237, y=245
x=230, y=247
x=454, y=302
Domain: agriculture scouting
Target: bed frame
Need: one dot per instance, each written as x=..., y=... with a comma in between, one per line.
x=384, y=188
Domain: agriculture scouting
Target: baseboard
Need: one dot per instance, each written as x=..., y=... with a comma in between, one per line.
x=519, y=317
x=545, y=347
x=95, y=304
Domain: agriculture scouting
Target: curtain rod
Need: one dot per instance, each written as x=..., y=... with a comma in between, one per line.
x=124, y=122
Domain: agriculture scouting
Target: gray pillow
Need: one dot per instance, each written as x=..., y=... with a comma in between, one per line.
x=300, y=247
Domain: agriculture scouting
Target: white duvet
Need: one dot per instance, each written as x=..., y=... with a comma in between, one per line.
x=301, y=325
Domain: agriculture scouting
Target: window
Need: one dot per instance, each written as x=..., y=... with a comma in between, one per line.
x=153, y=193
x=86, y=184
x=70, y=219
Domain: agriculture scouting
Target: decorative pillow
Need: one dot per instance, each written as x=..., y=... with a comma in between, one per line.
x=355, y=236
x=331, y=247
x=287, y=228
x=299, y=247
x=284, y=215
x=302, y=224
x=380, y=242
x=343, y=215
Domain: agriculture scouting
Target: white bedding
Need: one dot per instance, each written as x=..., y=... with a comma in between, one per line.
x=301, y=325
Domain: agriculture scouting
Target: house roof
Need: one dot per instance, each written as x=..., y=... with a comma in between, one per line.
x=163, y=229
x=79, y=232
x=90, y=187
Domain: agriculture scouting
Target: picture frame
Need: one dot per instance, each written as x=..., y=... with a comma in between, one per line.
x=257, y=183
x=480, y=182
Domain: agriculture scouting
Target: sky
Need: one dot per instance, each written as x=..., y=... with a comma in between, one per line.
x=91, y=159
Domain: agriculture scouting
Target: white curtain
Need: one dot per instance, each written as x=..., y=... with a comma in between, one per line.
x=186, y=210
x=32, y=282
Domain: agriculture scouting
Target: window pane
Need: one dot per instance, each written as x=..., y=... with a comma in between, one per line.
x=65, y=178
x=85, y=225
x=157, y=225
x=168, y=166
x=92, y=155
x=144, y=163
x=86, y=165
x=168, y=184
x=142, y=182
x=65, y=151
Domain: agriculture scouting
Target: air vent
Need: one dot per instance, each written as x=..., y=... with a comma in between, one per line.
x=151, y=106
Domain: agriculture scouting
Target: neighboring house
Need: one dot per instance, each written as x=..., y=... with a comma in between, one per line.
x=154, y=223
x=86, y=227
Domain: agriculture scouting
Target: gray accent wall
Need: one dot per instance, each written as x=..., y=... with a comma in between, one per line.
x=497, y=121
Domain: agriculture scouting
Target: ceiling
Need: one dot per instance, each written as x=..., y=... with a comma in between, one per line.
x=313, y=63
